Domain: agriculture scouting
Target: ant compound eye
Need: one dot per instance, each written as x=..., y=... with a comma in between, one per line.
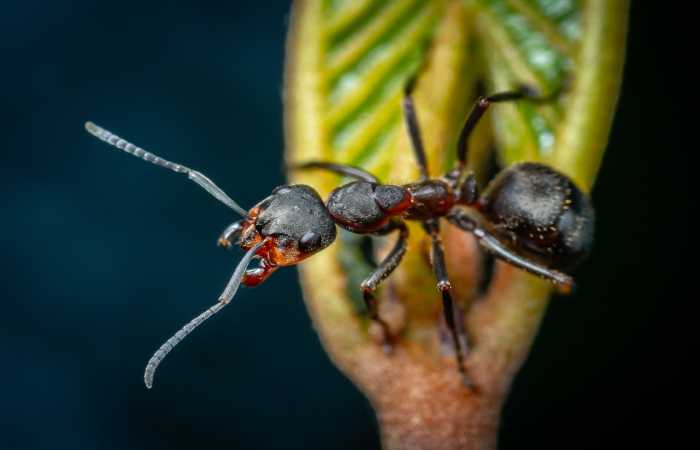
x=310, y=242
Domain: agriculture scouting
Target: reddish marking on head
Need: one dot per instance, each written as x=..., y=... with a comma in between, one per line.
x=276, y=251
x=280, y=252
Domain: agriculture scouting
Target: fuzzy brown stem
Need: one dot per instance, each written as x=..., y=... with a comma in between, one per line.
x=432, y=410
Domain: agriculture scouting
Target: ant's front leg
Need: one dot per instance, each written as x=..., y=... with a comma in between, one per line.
x=370, y=284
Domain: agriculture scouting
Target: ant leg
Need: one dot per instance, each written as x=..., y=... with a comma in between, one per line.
x=370, y=284
x=432, y=226
x=409, y=113
x=494, y=246
x=480, y=107
x=341, y=169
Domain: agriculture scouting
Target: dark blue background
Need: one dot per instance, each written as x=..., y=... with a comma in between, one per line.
x=105, y=256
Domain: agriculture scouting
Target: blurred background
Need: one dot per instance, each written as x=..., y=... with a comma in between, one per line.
x=105, y=256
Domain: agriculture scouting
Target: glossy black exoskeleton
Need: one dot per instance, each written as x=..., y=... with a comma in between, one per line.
x=294, y=224
x=539, y=213
x=530, y=216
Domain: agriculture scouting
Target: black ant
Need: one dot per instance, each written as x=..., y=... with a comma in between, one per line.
x=530, y=216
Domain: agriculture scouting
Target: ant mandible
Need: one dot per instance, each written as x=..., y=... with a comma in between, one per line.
x=530, y=215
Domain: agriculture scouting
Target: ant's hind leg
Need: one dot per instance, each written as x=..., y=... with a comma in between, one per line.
x=340, y=169
x=370, y=284
x=445, y=287
x=564, y=282
x=480, y=107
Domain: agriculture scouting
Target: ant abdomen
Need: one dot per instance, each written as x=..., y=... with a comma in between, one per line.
x=541, y=213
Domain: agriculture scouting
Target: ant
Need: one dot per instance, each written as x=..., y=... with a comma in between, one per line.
x=530, y=215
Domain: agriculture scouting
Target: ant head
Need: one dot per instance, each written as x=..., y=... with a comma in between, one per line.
x=293, y=222
x=286, y=227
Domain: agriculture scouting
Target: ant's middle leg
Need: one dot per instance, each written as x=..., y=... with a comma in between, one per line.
x=432, y=226
x=390, y=262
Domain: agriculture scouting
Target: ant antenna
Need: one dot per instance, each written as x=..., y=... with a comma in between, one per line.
x=225, y=298
x=197, y=177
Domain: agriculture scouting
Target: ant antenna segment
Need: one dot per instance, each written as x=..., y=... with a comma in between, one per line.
x=197, y=177
x=226, y=296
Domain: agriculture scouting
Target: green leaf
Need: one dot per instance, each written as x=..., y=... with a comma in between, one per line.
x=571, y=47
x=347, y=64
